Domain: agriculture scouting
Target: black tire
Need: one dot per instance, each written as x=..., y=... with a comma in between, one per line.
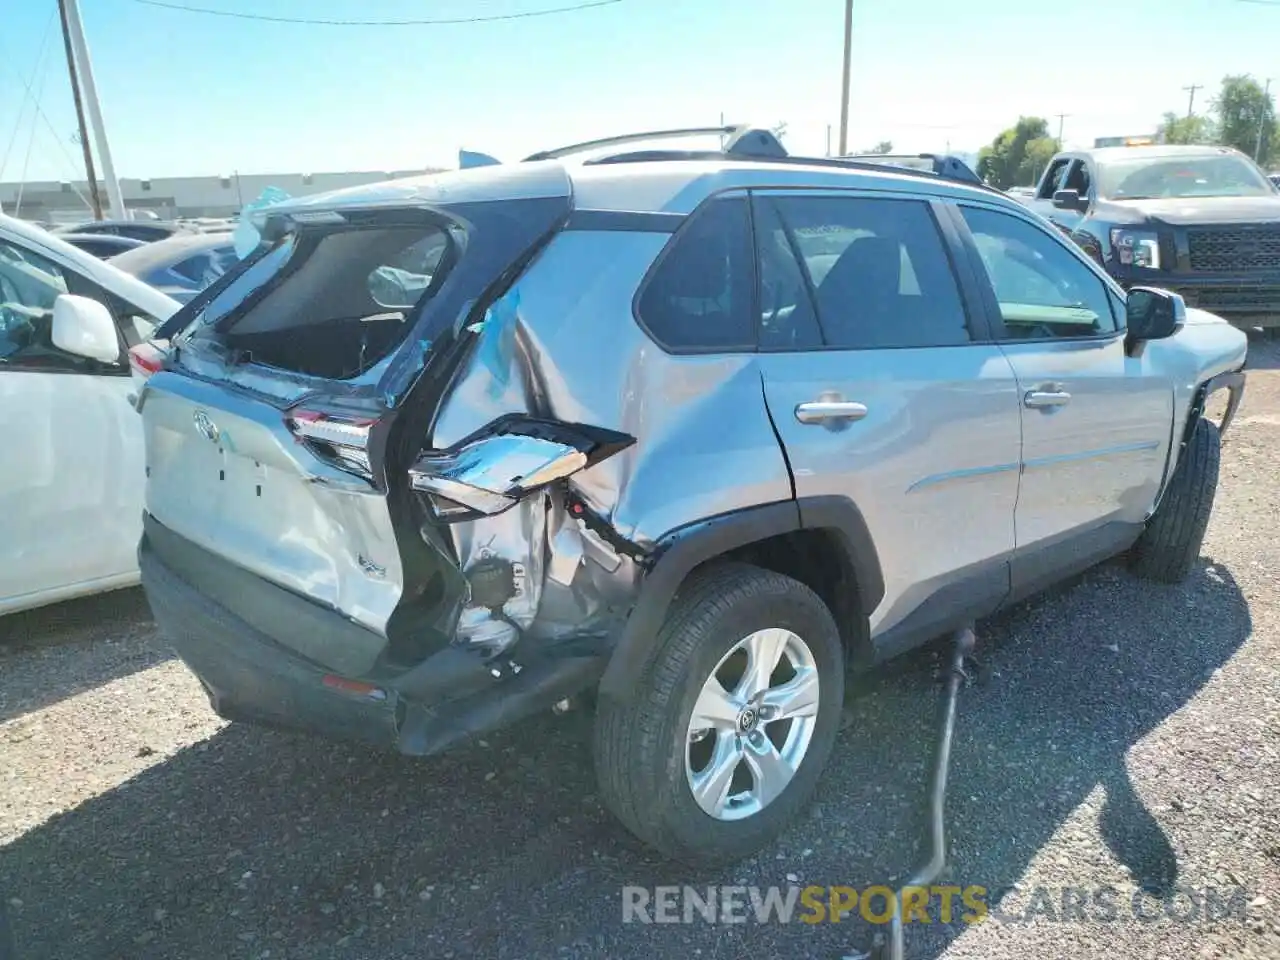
x=1169, y=547
x=640, y=742
x=6, y=932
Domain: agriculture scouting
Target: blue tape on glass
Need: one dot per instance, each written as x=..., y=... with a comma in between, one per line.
x=245, y=238
x=498, y=342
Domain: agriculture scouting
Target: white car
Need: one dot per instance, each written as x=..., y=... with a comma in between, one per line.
x=72, y=481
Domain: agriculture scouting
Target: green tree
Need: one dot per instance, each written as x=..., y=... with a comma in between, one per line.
x=882, y=148
x=1192, y=129
x=1039, y=152
x=1247, y=118
x=1018, y=155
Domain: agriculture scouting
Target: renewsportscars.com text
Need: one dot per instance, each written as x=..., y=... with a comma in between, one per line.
x=935, y=904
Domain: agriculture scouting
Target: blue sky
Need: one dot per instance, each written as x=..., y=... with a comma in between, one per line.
x=186, y=94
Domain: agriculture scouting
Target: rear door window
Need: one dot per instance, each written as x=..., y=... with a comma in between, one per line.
x=699, y=297
x=192, y=268
x=877, y=270
x=788, y=318
x=99, y=248
x=138, y=231
x=204, y=268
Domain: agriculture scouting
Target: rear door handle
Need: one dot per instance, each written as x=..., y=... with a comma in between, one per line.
x=822, y=411
x=1046, y=399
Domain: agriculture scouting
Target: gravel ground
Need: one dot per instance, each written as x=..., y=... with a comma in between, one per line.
x=1119, y=735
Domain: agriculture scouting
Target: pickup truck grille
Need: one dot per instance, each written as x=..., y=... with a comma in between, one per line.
x=1234, y=249
x=1251, y=298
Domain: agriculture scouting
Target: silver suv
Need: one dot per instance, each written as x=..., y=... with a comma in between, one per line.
x=694, y=432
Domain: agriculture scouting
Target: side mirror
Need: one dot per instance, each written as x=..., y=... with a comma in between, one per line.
x=85, y=328
x=1070, y=200
x=1153, y=314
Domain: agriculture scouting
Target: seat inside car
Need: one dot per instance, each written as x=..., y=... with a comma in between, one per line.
x=862, y=291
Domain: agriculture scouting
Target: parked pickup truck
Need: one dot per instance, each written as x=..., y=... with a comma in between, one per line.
x=1199, y=220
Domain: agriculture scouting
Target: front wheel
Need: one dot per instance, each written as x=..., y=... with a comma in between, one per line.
x=721, y=744
x=1170, y=546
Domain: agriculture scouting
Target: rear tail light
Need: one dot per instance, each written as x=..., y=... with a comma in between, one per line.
x=148, y=357
x=341, y=440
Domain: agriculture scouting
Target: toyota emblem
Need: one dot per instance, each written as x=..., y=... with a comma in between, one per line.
x=208, y=429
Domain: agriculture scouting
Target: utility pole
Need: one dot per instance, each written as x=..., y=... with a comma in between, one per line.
x=1262, y=121
x=1061, y=117
x=90, y=174
x=1191, y=100
x=828, y=139
x=76, y=29
x=844, y=86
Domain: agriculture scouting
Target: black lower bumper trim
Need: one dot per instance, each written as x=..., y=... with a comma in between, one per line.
x=249, y=676
x=427, y=731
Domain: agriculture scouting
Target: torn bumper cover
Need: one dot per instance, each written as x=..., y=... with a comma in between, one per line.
x=422, y=709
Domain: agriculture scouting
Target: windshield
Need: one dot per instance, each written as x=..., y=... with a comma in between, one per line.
x=1212, y=175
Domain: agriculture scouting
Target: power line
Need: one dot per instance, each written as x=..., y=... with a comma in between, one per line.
x=26, y=162
x=17, y=123
x=35, y=102
x=522, y=15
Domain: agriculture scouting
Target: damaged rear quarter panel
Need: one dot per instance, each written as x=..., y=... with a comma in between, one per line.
x=563, y=344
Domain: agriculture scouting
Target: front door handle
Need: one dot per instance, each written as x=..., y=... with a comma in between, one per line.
x=822, y=411
x=1046, y=399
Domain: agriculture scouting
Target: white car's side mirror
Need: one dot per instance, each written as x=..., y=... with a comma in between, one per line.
x=85, y=328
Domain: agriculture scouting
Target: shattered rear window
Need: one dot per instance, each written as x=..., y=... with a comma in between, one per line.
x=332, y=300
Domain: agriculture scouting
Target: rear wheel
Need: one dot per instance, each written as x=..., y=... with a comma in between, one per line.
x=722, y=742
x=1170, y=546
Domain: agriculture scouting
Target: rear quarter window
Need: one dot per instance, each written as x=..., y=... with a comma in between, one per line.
x=698, y=297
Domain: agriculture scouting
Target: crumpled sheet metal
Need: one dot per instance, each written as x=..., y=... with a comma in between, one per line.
x=519, y=535
x=562, y=345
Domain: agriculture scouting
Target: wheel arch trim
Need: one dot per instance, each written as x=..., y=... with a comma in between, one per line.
x=681, y=551
x=1233, y=382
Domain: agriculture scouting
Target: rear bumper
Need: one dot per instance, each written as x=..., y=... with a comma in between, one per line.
x=250, y=676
